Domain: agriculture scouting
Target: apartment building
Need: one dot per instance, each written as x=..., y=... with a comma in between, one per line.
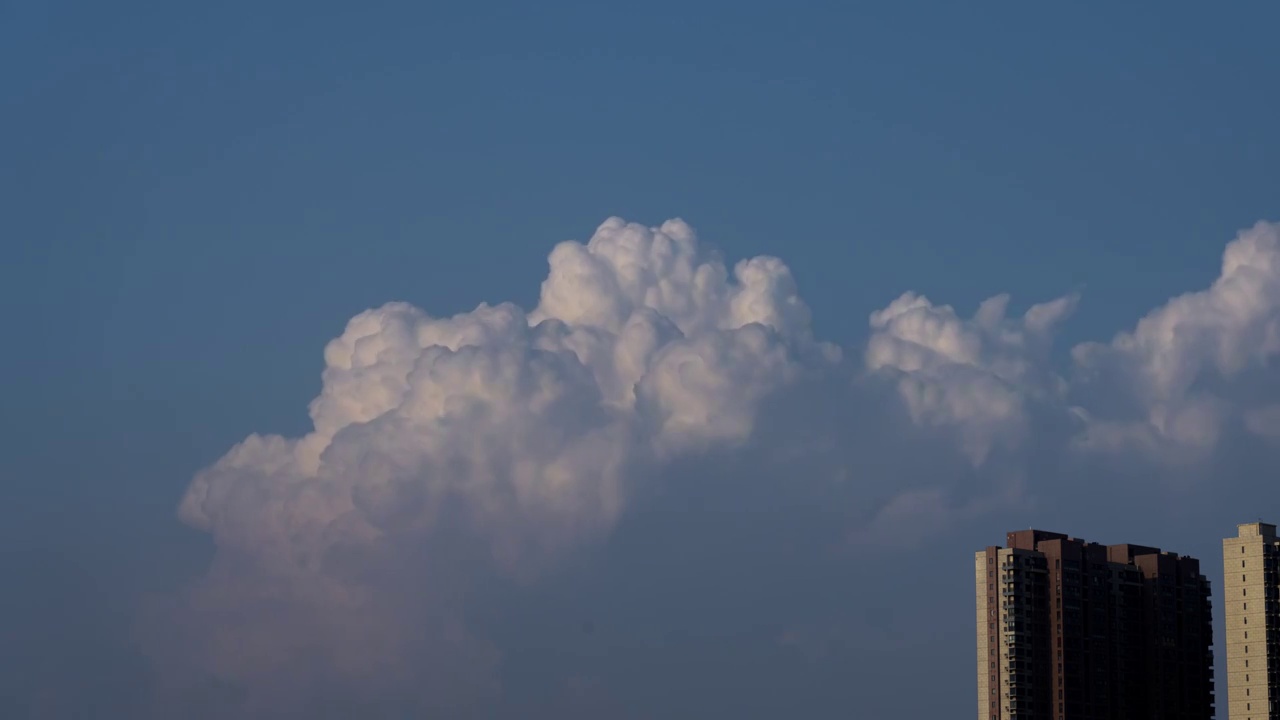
x=1074, y=630
x=1251, y=596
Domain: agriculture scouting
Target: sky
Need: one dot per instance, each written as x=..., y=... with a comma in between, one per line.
x=577, y=359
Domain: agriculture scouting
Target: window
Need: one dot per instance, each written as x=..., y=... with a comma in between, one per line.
x=1243, y=578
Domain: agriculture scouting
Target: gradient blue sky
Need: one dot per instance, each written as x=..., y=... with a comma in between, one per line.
x=197, y=197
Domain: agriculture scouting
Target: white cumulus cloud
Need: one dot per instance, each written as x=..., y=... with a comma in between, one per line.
x=1178, y=366
x=452, y=459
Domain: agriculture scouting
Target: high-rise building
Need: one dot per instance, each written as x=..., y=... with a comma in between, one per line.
x=1251, y=594
x=1074, y=630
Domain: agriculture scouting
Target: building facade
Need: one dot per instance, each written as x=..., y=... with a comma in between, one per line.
x=1074, y=630
x=1252, y=604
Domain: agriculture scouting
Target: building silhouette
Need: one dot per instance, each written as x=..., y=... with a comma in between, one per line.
x=1073, y=630
x=1251, y=600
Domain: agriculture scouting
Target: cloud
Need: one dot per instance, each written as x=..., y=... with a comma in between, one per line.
x=661, y=433
x=975, y=375
x=495, y=441
x=1175, y=378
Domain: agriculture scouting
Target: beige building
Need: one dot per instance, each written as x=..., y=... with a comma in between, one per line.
x=1251, y=592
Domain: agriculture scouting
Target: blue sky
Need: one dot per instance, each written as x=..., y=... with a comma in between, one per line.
x=196, y=199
